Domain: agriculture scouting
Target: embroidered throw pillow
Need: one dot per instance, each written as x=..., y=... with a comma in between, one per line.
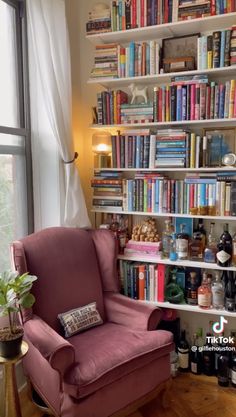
x=80, y=319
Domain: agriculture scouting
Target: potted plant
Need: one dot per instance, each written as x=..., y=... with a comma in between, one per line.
x=14, y=295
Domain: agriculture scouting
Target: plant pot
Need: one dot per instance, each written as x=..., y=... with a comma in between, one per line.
x=10, y=344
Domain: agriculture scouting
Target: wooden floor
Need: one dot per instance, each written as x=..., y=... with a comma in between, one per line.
x=190, y=396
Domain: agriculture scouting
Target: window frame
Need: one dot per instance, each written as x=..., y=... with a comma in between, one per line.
x=24, y=102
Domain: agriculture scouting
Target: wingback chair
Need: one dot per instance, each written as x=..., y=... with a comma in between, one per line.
x=106, y=368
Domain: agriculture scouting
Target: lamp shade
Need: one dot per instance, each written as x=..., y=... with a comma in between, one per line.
x=101, y=143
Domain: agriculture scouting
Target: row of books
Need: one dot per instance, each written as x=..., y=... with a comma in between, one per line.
x=142, y=281
x=193, y=98
x=140, y=13
x=140, y=59
x=167, y=148
x=155, y=193
x=217, y=50
x=137, y=59
x=107, y=190
x=99, y=21
x=186, y=98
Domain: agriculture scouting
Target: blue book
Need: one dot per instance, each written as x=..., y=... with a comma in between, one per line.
x=156, y=206
x=171, y=149
x=179, y=104
x=138, y=152
x=130, y=194
x=221, y=102
x=177, y=197
x=132, y=281
x=184, y=102
x=203, y=201
x=147, y=283
x=120, y=14
x=222, y=48
x=131, y=59
x=147, y=58
x=200, y=180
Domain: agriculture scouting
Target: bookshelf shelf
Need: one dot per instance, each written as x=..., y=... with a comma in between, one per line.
x=211, y=169
x=190, y=216
x=193, y=309
x=186, y=123
x=159, y=78
x=166, y=30
x=187, y=263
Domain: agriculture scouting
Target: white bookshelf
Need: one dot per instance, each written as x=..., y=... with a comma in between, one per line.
x=153, y=214
x=185, y=263
x=167, y=30
x=160, y=78
x=191, y=308
x=204, y=25
x=183, y=123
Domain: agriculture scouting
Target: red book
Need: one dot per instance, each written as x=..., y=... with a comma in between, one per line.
x=168, y=196
x=161, y=282
x=141, y=282
x=133, y=14
x=166, y=11
x=208, y=102
x=191, y=196
x=142, y=13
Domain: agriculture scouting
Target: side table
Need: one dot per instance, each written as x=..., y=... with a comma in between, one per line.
x=12, y=402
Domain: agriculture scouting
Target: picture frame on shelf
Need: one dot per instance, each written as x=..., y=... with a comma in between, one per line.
x=184, y=47
x=220, y=142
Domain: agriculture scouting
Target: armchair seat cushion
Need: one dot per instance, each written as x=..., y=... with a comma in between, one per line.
x=109, y=352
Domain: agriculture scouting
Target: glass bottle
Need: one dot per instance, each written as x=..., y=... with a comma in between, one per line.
x=211, y=247
x=223, y=369
x=200, y=337
x=230, y=293
x=202, y=231
x=219, y=348
x=195, y=357
x=234, y=250
x=217, y=292
x=204, y=293
x=197, y=244
x=183, y=353
x=224, y=278
x=224, y=252
x=166, y=238
x=173, y=255
x=233, y=370
x=192, y=289
x=182, y=240
x=208, y=357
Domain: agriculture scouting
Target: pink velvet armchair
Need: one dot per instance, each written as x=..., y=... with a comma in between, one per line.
x=103, y=370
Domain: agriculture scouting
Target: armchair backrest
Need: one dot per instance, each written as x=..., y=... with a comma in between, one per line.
x=66, y=263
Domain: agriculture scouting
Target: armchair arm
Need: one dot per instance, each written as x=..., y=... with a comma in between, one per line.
x=131, y=313
x=58, y=351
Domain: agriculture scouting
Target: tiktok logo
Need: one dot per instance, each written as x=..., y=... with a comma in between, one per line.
x=218, y=326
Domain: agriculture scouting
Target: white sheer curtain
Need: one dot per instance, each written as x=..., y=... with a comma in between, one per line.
x=49, y=54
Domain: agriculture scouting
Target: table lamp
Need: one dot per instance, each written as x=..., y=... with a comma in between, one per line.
x=101, y=145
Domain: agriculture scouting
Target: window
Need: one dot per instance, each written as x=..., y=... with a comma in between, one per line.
x=15, y=163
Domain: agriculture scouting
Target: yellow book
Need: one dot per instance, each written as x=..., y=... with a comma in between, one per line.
x=231, y=98
x=167, y=105
x=192, y=150
x=209, y=59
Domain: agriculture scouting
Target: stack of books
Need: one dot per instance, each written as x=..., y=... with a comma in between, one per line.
x=107, y=190
x=214, y=50
x=194, y=9
x=105, y=61
x=233, y=46
x=142, y=281
x=99, y=21
x=109, y=106
x=194, y=98
x=172, y=148
x=136, y=113
x=139, y=59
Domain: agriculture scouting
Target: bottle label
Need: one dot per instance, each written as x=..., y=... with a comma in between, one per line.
x=223, y=256
x=182, y=248
x=233, y=376
x=194, y=367
x=234, y=248
x=204, y=300
x=209, y=256
x=217, y=298
x=183, y=355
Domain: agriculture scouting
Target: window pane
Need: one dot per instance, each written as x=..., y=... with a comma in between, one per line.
x=13, y=204
x=9, y=97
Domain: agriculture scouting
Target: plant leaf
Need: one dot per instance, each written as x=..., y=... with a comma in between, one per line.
x=27, y=300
